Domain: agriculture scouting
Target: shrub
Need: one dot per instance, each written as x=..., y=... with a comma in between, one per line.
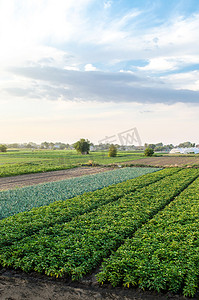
x=148, y=152
x=112, y=151
x=3, y=148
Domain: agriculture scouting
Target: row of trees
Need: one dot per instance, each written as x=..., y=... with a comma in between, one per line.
x=44, y=145
x=83, y=146
x=159, y=147
x=186, y=145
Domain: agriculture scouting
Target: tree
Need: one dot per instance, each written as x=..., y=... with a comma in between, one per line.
x=151, y=146
x=82, y=146
x=186, y=145
x=112, y=151
x=45, y=145
x=148, y=152
x=14, y=145
x=51, y=145
x=3, y=148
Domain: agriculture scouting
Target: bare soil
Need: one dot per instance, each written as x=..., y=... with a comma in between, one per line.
x=31, y=179
x=163, y=161
x=16, y=285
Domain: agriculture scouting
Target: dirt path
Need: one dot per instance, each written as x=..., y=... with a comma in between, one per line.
x=31, y=179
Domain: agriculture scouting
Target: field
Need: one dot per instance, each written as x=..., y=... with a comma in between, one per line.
x=24, y=199
x=167, y=161
x=142, y=232
x=26, y=162
x=38, y=161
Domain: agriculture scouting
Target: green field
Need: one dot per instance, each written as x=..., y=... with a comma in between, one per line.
x=142, y=232
x=24, y=199
x=24, y=162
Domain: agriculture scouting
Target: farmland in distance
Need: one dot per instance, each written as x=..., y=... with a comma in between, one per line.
x=25, y=162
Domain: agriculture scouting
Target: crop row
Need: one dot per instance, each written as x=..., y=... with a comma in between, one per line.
x=164, y=253
x=27, y=223
x=76, y=247
x=24, y=199
x=36, y=166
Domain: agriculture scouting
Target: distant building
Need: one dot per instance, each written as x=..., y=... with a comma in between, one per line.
x=184, y=150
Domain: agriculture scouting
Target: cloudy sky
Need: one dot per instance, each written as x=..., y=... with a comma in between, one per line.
x=94, y=68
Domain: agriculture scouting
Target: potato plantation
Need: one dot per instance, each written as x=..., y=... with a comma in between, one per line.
x=141, y=232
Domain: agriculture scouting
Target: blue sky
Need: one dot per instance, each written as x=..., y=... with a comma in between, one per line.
x=94, y=68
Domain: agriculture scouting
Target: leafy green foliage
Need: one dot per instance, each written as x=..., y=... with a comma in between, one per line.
x=24, y=199
x=112, y=151
x=74, y=248
x=27, y=223
x=82, y=146
x=163, y=254
x=148, y=151
x=3, y=148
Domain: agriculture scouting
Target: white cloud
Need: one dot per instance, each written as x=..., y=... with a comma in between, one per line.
x=45, y=44
x=161, y=64
x=188, y=80
x=29, y=27
x=36, y=30
x=73, y=68
x=90, y=67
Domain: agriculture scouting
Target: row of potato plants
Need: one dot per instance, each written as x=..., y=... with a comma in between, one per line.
x=75, y=248
x=164, y=253
x=24, y=199
x=27, y=223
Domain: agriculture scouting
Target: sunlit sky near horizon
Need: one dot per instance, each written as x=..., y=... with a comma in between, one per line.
x=94, y=68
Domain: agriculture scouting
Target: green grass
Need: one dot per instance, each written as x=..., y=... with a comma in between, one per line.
x=24, y=162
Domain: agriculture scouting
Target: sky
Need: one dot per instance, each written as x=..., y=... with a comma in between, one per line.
x=95, y=68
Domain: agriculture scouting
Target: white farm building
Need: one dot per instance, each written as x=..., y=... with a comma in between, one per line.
x=184, y=150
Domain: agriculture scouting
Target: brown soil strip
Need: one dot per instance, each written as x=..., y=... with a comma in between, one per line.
x=16, y=285
x=13, y=182
x=166, y=161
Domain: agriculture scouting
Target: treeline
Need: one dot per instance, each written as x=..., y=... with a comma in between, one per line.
x=44, y=145
x=159, y=147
